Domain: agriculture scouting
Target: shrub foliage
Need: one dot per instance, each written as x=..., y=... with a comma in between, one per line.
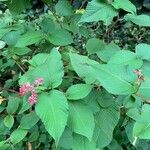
x=67, y=82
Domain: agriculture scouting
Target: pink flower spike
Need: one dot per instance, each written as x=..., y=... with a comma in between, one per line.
x=33, y=98
x=25, y=88
x=39, y=81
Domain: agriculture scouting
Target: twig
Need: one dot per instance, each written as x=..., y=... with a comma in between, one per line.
x=66, y=77
x=29, y=146
x=20, y=67
x=111, y=27
x=83, y=3
x=10, y=90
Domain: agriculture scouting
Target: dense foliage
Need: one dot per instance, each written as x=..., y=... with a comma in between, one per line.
x=74, y=75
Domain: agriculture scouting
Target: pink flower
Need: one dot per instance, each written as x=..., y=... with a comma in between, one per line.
x=25, y=88
x=39, y=81
x=33, y=98
x=30, y=88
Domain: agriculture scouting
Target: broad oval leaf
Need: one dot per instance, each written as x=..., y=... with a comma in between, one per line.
x=60, y=37
x=20, y=50
x=122, y=57
x=142, y=125
x=82, y=66
x=81, y=119
x=141, y=20
x=29, y=120
x=66, y=139
x=146, y=69
x=47, y=66
x=96, y=11
x=18, y=135
x=125, y=5
x=63, y=8
x=82, y=143
x=52, y=109
x=94, y=45
x=108, y=51
x=9, y=121
x=2, y=44
x=78, y=91
x=13, y=104
x=143, y=51
x=29, y=38
x=144, y=89
x=111, y=81
x=106, y=120
x=91, y=71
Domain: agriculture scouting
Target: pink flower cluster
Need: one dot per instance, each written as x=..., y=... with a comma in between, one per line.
x=30, y=88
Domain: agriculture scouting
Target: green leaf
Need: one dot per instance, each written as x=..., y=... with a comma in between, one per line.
x=142, y=126
x=63, y=8
x=129, y=130
x=2, y=44
x=18, y=135
x=60, y=37
x=146, y=69
x=144, y=89
x=143, y=51
x=17, y=6
x=25, y=105
x=91, y=101
x=94, y=45
x=105, y=99
x=66, y=140
x=29, y=38
x=3, y=129
x=52, y=109
x=2, y=143
x=141, y=20
x=13, y=105
x=82, y=143
x=11, y=37
x=96, y=11
x=122, y=58
x=9, y=121
x=47, y=1
x=81, y=119
x=52, y=66
x=29, y=120
x=105, y=122
x=20, y=50
x=47, y=25
x=133, y=113
x=78, y=91
x=83, y=67
x=108, y=51
x=91, y=71
x=3, y=31
x=34, y=136
x=125, y=5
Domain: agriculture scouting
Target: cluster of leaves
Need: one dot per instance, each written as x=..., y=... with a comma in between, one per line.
x=95, y=94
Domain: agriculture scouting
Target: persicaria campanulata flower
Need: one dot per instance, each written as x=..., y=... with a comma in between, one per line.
x=25, y=88
x=33, y=98
x=39, y=81
x=30, y=88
